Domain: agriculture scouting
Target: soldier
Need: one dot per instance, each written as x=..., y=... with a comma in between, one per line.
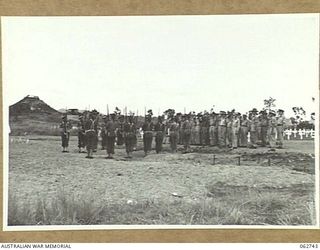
x=244, y=131
x=65, y=126
x=110, y=131
x=147, y=129
x=174, y=134
x=280, y=126
x=120, y=138
x=160, y=131
x=90, y=125
x=272, y=129
x=186, y=127
x=81, y=134
x=253, y=128
x=103, y=133
x=235, y=127
x=212, y=129
x=229, y=130
x=205, y=129
x=129, y=132
x=222, y=128
x=264, y=128
x=96, y=123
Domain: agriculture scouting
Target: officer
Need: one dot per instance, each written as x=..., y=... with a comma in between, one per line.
x=120, y=138
x=253, y=128
x=229, y=130
x=81, y=134
x=65, y=127
x=90, y=125
x=174, y=134
x=244, y=128
x=160, y=131
x=272, y=130
x=129, y=134
x=235, y=128
x=264, y=128
x=212, y=129
x=280, y=127
x=110, y=131
x=147, y=129
x=96, y=123
x=103, y=133
x=186, y=127
x=222, y=128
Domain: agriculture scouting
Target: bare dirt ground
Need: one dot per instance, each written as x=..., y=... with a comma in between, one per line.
x=266, y=188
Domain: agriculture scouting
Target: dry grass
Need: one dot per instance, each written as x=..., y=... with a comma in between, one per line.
x=250, y=208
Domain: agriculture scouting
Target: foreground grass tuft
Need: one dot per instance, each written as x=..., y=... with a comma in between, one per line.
x=249, y=208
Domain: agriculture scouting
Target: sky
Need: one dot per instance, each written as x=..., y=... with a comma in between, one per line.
x=191, y=63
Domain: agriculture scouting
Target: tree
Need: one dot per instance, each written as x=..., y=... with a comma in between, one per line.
x=299, y=113
x=269, y=103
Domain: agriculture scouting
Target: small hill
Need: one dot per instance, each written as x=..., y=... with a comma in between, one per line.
x=31, y=105
x=31, y=115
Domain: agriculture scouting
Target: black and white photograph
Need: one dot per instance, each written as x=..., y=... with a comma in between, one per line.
x=181, y=121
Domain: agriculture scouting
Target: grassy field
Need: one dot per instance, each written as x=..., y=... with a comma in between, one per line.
x=47, y=187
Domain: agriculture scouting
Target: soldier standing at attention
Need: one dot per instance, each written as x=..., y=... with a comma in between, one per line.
x=235, y=127
x=65, y=127
x=147, y=129
x=120, y=138
x=212, y=129
x=90, y=134
x=129, y=133
x=96, y=123
x=103, y=133
x=229, y=130
x=244, y=131
x=174, y=134
x=186, y=127
x=280, y=126
x=110, y=131
x=264, y=128
x=253, y=128
x=272, y=130
x=160, y=131
x=81, y=134
x=222, y=128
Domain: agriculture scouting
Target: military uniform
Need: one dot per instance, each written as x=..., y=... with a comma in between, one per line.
x=222, y=128
x=103, y=134
x=81, y=134
x=186, y=127
x=160, y=131
x=264, y=130
x=110, y=131
x=174, y=135
x=147, y=129
x=272, y=130
x=212, y=130
x=129, y=133
x=229, y=132
x=120, y=131
x=244, y=128
x=90, y=135
x=235, y=127
x=65, y=127
x=205, y=130
x=280, y=125
x=253, y=129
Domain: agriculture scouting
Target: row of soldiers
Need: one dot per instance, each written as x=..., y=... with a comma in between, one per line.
x=224, y=129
